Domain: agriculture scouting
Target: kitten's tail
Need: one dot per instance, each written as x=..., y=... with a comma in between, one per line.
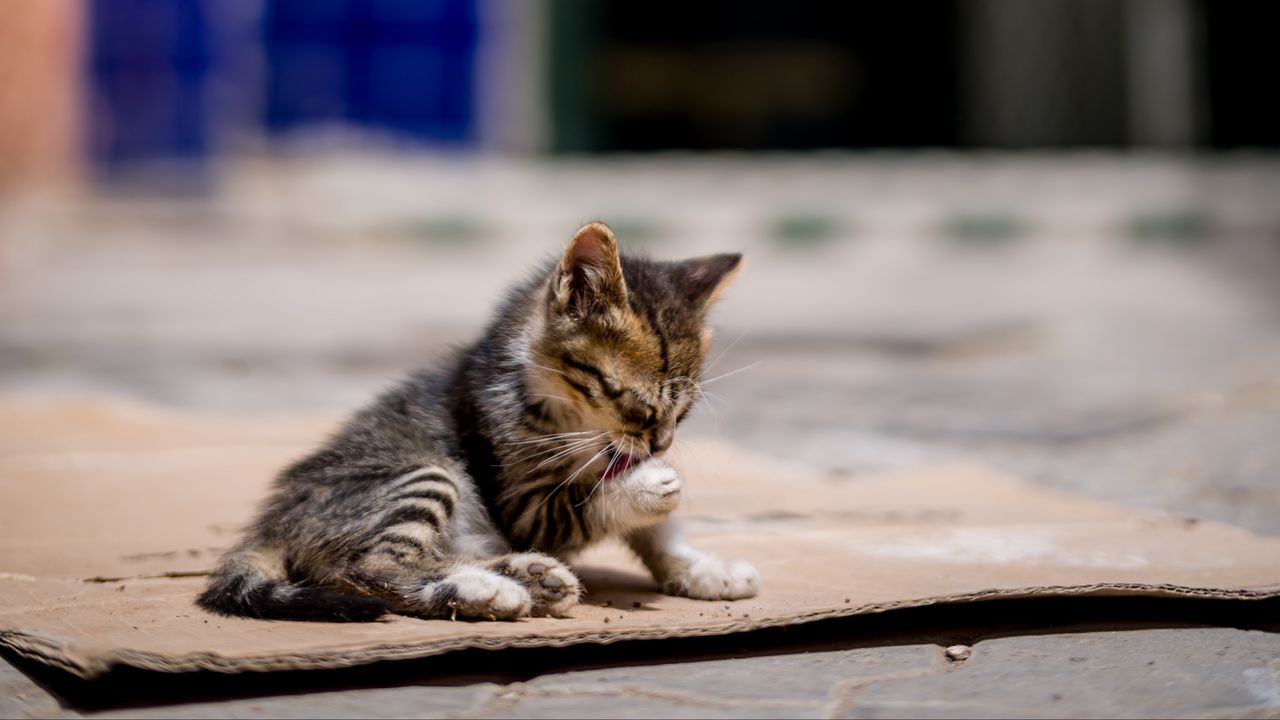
x=250, y=582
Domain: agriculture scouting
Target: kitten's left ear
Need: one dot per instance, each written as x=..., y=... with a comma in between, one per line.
x=589, y=275
x=703, y=279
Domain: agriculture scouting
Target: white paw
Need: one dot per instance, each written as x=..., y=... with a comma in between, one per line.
x=553, y=587
x=654, y=487
x=643, y=496
x=707, y=577
x=479, y=593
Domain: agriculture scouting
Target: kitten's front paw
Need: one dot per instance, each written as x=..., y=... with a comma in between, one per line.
x=654, y=487
x=707, y=577
x=479, y=593
x=553, y=587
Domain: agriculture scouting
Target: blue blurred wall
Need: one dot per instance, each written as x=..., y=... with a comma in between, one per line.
x=167, y=76
x=149, y=63
x=400, y=65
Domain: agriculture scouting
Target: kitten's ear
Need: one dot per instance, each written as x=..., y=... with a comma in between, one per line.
x=589, y=275
x=703, y=279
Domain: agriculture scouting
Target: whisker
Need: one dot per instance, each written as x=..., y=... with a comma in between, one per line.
x=705, y=405
x=686, y=380
x=588, y=462
x=569, y=479
x=549, y=369
x=568, y=446
x=551, y=397
x=732, y=372
x=693, y=385
x=538, y=450
x=566, y=434
x=551, y=437
x=721, y=354
x=713, y=396
x=575, y=449
x=600, y=480
x=593, y=491
x=677, y=379
x=555, y=440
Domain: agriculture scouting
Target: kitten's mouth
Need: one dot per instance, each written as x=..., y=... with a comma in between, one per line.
x=619, y=462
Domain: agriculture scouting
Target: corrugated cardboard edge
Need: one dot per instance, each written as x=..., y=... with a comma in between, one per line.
x=55, y=654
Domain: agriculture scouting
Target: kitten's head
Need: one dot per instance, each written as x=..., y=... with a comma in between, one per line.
x=623, y=342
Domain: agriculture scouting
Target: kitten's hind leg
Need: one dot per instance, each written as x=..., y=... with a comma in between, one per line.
x=553, y=587
x=400, y=557
x=450, y=591
x=470, y=591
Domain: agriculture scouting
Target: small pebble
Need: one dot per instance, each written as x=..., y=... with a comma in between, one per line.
x=606, y=619
x=958, y=653
x=635, y=604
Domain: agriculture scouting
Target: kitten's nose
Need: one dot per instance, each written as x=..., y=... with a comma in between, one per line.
x=661, y=439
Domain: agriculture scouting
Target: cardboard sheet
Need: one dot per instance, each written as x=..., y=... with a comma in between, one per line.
x=109, y=513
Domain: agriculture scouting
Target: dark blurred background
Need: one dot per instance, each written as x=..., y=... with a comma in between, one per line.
x=968, y=74
x=144, y=80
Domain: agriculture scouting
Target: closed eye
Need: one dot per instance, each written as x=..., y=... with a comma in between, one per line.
x=607, y=384
x=583, y=390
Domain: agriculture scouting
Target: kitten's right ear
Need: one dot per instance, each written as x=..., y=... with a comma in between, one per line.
x=703, y=279
x=588, y=277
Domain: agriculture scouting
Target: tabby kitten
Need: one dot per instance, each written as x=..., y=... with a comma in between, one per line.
x=460, y=492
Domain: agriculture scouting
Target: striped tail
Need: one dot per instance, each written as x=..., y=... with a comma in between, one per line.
x=244, y=585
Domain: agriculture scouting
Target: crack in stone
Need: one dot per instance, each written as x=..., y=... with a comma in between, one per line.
x=846, y=692
x=510, y=696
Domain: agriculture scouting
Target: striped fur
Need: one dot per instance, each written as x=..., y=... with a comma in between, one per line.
x=460, y=491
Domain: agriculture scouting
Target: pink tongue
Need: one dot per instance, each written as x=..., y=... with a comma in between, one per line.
x=617, y=466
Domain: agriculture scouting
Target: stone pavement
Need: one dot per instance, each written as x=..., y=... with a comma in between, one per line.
x=1078, y=658
x=1100, y=325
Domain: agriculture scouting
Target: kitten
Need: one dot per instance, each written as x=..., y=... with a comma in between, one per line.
x=460, y=492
